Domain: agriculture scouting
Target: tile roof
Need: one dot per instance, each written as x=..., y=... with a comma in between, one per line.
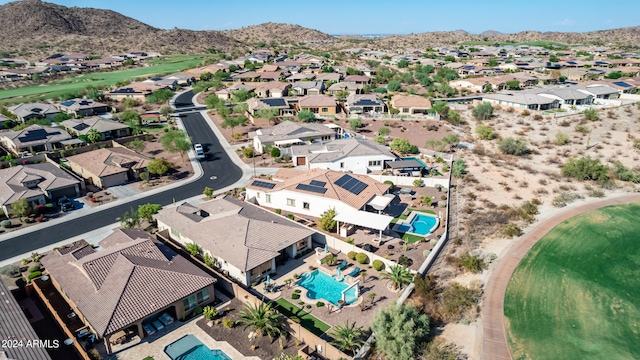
x=109, y=161
x=85, y=125
x=251, y=235
x=399, y=101
x=340, y=149
x=48, y=177
x=36, y=135
x=316, y=101
x=26, y=109
x=125, y=282
x=287, y=130
x=81, y=104
x=288, y=179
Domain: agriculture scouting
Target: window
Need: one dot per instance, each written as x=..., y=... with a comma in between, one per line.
x=314, y=110
x=305, y=205
x=341, y=165
x=189, y=303
x=405, y=110
x=267, y=198
x=175, y=233
x=323, y=138
x=300, y=245
x=202, y=295
x=375, y=162
x=324, y=110
x=291, y=202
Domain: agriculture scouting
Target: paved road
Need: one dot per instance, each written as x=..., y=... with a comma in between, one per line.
x=217, y=164
x=494, y=343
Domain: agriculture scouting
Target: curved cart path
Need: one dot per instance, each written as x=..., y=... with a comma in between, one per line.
x=494, y=343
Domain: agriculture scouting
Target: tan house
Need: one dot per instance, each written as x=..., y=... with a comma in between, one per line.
x=272, y=89
x=254, y=240
x=34, y=138
x=109, y=166
x=83, y=107
x=108, y=129
x=410, y=104
x=320, y=105
x=137, y=90
x=133, y=286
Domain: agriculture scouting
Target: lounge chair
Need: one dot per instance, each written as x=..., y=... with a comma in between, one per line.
x=158, y=325
x=342, y=265
x=355, y=272
x=166, y=319
x=149, y=329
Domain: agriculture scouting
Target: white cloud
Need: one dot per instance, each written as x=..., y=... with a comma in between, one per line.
x=565, y=22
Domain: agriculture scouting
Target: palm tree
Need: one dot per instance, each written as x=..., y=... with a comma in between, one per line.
x=363, y=275
x=398, y=275
x=264, y=319
x=347, y=337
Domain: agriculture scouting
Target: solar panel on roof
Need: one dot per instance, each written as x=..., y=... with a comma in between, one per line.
x=366, y=102
x=622, y=84
x=317, y=183
x=81, y=126
x=263, y=184
x=68, y=103
x=311, y=188
x=274, y=102
x=351, y=184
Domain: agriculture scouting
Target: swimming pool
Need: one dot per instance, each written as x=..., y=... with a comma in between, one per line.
x=324, y=286
x=418, y=224
x=416, y=159
x=189, y=347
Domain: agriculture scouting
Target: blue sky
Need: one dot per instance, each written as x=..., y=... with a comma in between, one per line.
x=378, y=16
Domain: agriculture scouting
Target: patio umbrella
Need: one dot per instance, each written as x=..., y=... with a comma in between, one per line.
x=326, y=248
x=268, y=279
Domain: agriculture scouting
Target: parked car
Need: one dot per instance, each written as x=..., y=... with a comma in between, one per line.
x=65, y=204
x=199, y=151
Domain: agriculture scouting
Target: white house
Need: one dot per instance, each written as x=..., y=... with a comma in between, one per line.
x=312, y=192
x=245, y=241
x=360, y=156
x=288, y=133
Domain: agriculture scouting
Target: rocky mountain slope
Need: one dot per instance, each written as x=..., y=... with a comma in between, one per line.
x=279, y=33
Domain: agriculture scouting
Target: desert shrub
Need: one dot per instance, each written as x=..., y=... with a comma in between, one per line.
x=329, y=259
x=10, y=270
x=228, y=323
x=472, y=263
x=537, y=117
x=457, y=299
x=198, y=310
x=278, y=211
x=625, y=174
x=561, y=139
x=581, y=129
x=378, y=265
x=209, y=312
x=5, y=224
x=564, y=123
x=513, y=146
x=591, y=115
x=290, y=216
x=362, y=258
x=565, y=198
x=483, y=111
x=247, y=152
x=510, y=230
x=485, y=132
x=405, y=261
x=34, y=275
x=526, y=113
x=34, y=268
x=597, y=193
x=352, y=255
x=585, y=168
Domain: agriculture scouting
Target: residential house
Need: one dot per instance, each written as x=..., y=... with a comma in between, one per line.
x=271, y=75
x=410, y=104
x=132, y=282
x=83, y=107
x=227, y=94
x=108, y=129
x=365, y=104
x=272, y=89
x=321, y=105
x=38, y=183
x=16, y=326
x=254, y=105
x=253, y=243
x=30, y=111
x=568, y=96
x=523, y=100
x=329, y=77
x=359, y=80
x=302, y=88
x=108, y=166
x=288, y=133
x=600, y=91
x=167, y=82
x=34, y=139
x=246, y=76
x=352, y=88
x=473, y=84
x=301, y=77
x=312, y=192
x=359, y=156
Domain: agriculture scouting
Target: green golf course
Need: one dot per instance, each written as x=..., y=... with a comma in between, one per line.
x=576, y=294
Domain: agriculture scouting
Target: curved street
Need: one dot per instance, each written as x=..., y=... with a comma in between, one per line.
x=217, y=164
x=494, y=336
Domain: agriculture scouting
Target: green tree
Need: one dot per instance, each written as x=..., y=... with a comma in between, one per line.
x=394, y=85
x=129, y=103
x=208, y=192
x=398, y=275
x=513, y=85
x=452, y=140
x=435, y=144
x=355, y=124
x=213, y=101
x=21, y=208
x=94, y=136
x=492, y=62
x=137, y=144
x=241, y=95
x=306, y=116
x=553, y=58
x=264, y=320
x=248, y=152
x=348, y=337
x=327, y=220
x=485, y=132
x=158, y=166
x=176, y=141
x=384, y=131
x=482, y=111
x=459, y=168
x=60, y=117
x=342, y=94
x=130, y=220
x=591, y=115
x=268, y=113
x=513, y=146
x=240, y=108
x=379, y=139
x=146, y=211
x=166, y=110
x=403, y=64
x=442, y=108
x=400, y=330
x=232, y=122
x=131, y=116
x=162, y=95
x=585, y=168
x=401, y=144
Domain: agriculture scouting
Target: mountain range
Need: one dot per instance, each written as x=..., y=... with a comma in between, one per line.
x=39, y=28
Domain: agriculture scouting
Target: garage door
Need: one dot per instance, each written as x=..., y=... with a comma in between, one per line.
x=301, y=161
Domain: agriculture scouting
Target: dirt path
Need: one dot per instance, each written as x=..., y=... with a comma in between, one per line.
x=494, y=345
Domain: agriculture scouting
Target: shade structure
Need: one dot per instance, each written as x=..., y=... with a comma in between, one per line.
x=364, y=219
x=381, y=202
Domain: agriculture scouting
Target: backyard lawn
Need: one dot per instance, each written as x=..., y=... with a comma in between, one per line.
x=162, y=66
x=575, y=294
x=408, y=237
x=307, y=320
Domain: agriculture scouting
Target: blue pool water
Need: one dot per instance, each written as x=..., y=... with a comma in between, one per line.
x=420, y=224
x=323, y=286
x=416, y=159
x=189, y=347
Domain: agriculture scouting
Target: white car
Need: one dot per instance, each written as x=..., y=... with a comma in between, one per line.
x=199, y=151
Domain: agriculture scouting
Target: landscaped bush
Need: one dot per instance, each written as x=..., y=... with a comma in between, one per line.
x=210, y=312
x=319, y=304
x=510, y=230
x=362, y=258
x=10, y=270
x=278, y=211
x=297, y=291
x=390, y=183
x=34, y=275
x=198, y=310
x=5, y=224
x=34, y=268
x=352, y=255
x=228, y=323
x=295, y=296
x=378, y=265
x=405, y=261
x=290, y=216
